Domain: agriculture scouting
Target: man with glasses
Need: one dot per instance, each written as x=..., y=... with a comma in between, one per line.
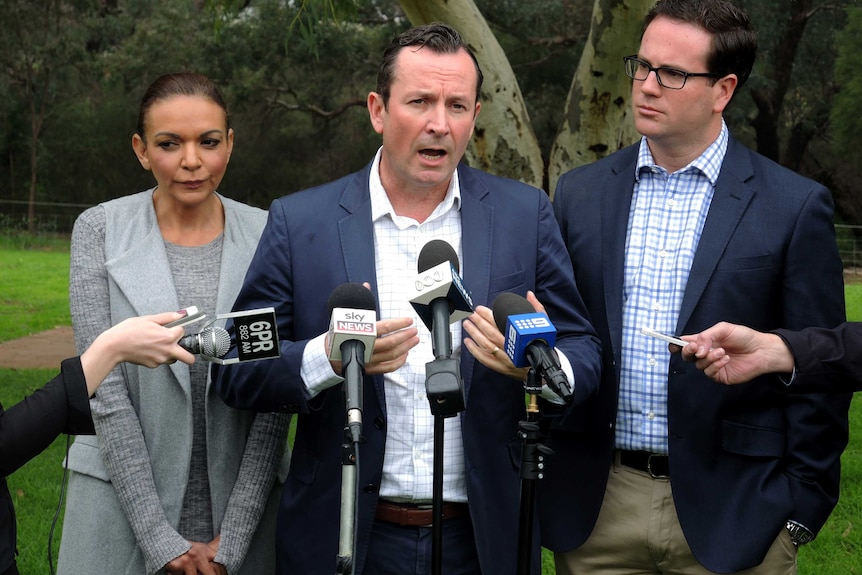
x=666, y=471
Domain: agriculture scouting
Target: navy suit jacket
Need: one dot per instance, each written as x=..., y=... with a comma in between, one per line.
x=745, y=458
x=320, y=238
x=827, y=360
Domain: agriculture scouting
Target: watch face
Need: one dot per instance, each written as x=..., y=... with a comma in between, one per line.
x=798, y=534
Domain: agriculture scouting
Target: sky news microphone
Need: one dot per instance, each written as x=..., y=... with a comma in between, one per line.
x=440, y=297
x=351, y=337
x=530, y=338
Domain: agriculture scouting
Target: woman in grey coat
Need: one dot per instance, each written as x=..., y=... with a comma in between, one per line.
x=175, y=481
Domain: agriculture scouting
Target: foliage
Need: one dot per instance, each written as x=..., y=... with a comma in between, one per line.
x=297, y=74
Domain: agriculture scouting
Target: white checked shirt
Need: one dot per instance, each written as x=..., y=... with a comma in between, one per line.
x=408, y=465
x=665, y=223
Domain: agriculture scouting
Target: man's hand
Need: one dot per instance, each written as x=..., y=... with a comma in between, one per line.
x=730, y=353
x=486, y=342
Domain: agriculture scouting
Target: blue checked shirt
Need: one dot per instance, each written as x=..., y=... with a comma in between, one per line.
x=665, y=222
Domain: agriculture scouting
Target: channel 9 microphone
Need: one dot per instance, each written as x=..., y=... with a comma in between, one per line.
x=440, y=298
x=530, y=338
x=253, y=334
x=352, y=332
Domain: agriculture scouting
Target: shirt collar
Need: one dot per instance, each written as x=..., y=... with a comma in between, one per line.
x=708, y=163
x=381, y=206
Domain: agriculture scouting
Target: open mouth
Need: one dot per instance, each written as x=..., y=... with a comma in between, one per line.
x=430, y=154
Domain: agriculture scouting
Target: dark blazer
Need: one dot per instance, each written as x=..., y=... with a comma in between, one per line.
x=28, y=427
x=827, y=360
x=318, y=239
x=745, y=458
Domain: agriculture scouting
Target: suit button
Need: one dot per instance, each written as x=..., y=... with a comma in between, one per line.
x=379, y=423
x=370, y=488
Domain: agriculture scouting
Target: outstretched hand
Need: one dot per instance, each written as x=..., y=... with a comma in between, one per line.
x=142, y=340
x=732, y=354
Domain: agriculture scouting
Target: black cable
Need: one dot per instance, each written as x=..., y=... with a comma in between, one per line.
x=59, y=505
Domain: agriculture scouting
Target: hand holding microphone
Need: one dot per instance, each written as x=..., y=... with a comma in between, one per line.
x=530, y=338
x=252, y=334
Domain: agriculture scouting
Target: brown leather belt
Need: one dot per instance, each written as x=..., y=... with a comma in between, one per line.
x=412, y=515
x=653, y=463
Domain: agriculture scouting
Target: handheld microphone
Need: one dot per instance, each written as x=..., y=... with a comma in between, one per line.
x=211, y=342
x=440, y=296
x=254, y=334
x=530, y=338
x=351, y=337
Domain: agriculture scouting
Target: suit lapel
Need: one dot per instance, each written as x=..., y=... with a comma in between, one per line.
x=143, y=275
x=476, y=245
x=615, y=208
x=730, y=200
x=356, y=234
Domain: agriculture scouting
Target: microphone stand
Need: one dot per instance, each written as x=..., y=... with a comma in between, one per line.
x=445, y=390
x=532, y=469
x=352, y=368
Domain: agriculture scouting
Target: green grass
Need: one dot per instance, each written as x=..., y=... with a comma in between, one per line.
x=33, y=297
x=34, y=291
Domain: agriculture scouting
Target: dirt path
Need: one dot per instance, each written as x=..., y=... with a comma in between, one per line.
x=42, y=350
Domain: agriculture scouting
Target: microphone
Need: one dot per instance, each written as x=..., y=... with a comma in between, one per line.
x=530, y=338
x=440, y=297
x=252, y=333
x=211, y=342
x=352, y=332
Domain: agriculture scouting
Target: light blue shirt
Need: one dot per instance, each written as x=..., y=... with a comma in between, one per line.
x=665, y=223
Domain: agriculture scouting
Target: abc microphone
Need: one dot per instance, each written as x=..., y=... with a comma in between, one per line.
x=211, y=342
x=351, y=337
x=530, y=338
x=440, y=297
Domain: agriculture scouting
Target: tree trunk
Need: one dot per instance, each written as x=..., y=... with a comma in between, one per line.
x=598, y=106
x=504, y=142
x=35, y=128
x=769, y=98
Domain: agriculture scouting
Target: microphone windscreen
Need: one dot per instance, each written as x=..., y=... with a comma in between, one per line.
x=435, y=253
x=215, y=341
x=351, y=296
x=507, y=304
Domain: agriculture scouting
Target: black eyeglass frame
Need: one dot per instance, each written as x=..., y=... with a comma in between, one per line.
x=685, y=75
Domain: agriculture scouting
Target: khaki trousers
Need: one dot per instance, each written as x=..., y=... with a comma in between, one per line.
x=635, y=505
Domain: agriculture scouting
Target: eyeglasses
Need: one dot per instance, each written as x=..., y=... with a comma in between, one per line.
x=670, y=78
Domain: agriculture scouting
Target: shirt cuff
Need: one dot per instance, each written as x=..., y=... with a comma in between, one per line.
x=316, y=371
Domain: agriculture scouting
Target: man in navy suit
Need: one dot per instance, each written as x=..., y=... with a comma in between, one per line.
x=370, y=227
x=666, y=471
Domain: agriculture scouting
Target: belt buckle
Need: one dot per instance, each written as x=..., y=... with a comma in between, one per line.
x=649, y=467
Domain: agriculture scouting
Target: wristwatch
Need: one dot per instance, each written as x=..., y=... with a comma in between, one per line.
x=799, y=534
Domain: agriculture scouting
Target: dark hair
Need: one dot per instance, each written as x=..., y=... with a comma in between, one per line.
x=179, y=84
x=734, y=42
x=437, y=37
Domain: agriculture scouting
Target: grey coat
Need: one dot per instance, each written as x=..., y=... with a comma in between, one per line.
x=127, y=484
